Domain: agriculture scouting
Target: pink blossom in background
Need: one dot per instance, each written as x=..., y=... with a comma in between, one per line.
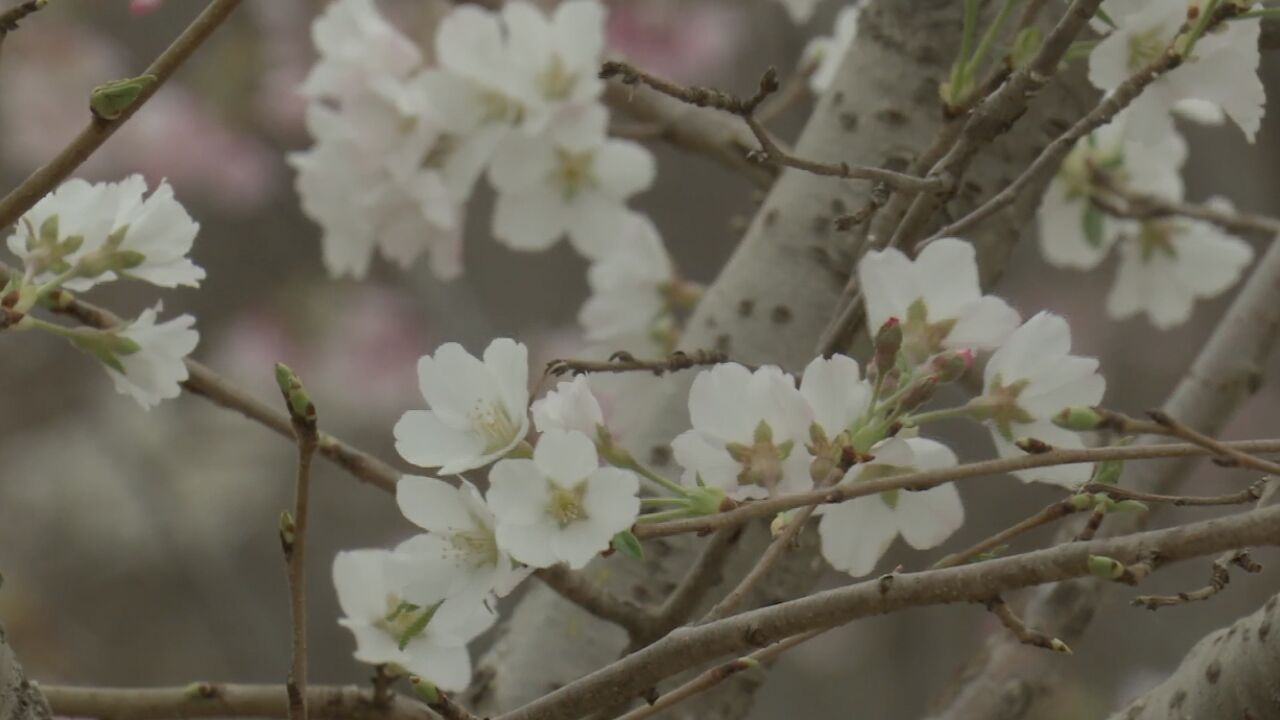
x=684, y=40
x=177, y=136
x=283, y=41
x=142, y=7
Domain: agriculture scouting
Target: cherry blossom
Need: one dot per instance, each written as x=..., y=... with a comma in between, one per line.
x=825, y=53
x=1167, y=264
x=856, y=533
x=151, y=366
x=458, y=560
x=1223, y=71
x=571, y=406
x=478, y=407
x=575, y=182
x=561, y=506
x=1074, y=232
x=631, y=288
x=800, y=10
x=936, y=297
x=63, y=227
x=1028, y=381
x=429, y=641
x=836, y=393
x=357, y=46
x=748, y=433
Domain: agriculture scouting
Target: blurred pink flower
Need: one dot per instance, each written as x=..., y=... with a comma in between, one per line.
x=684, y=40
x=142, y=7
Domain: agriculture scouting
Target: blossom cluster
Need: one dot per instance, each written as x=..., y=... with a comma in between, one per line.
x=1165, y=263
x=84, y=234
x=562, y=488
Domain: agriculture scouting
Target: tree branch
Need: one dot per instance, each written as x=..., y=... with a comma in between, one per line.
x=19, y=699
x=209, y=700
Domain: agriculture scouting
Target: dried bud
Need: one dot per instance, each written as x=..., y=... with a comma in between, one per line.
x=888, y=342
x=1034, y=446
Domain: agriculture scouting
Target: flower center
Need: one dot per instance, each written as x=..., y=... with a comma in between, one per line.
x=479, y=546
x=498, y=107
x=920, y=338
x=565, y=504
x=556, y=80
x=1156, y=237
x=574, y=171
x=495, y=424
x=1144, y=48
x=404, y=621
x=1000, y=405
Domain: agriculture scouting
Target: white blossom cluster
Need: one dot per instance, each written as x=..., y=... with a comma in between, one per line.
x=569, y=491
x=1165, y=263
x=84, y=234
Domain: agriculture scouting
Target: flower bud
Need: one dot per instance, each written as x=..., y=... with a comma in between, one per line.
x=1108, y=472
x=1105, y=567
x=1079, y=418
x=919, y=393
x=707, y=500
x=1082, y=501
x=888, y=342
x=425, y=689
x=951, y=365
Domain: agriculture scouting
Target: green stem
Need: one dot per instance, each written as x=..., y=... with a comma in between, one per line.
x=662, y=501
x=932, y=415
x=656, y=477
x=989, y=38
x=663, y=516
x=32, y=322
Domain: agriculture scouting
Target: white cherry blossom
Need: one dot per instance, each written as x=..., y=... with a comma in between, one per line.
x=160, y=231
x=575, y=182
x=428, y=641
x=458, y=559
x=1028, y=381
x=936, y=297
x=836, y=392
x=800, y=10
x=561, y=506
x=1167, y=264
x=356, y=44
x=630, y=286
x=1223, y=70
x=571, y=406
x=856, y=533
x=364, y=183
x=1074, y=232
x=825, y=53
x=156, y=369
x=749, y=433
x=478, y=407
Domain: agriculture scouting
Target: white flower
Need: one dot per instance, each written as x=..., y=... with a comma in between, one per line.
x=825, y=53
x=101, y=231
x=364, y=183
x=458, y=560
x=427, y=641
x=571, y=406
x=936, y=297
x=573, y=182
x=1028, y=381
x=800, y=10
x=1074, y=232
x=478, y=409
x=154, y=371
x=856, y=533
x=1167, y=264
x=558, y=57
x=748, y=435
x=561, y=506
x=629, y=285
x=356, y=45
x=836, y=392
x=1223, y=70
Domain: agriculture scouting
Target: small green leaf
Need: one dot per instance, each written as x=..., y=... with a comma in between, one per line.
x=628, y=544
x=109, y=101
x=1093, y=225
x=1104, y=17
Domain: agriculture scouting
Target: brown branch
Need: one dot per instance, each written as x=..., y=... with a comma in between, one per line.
x=1139, y=206
x=1025, y=635
x=691, y=646
x=1217, y=447
x=210, y=700
x=698, y=580
x=293, y=534
x=745, y=108
x=598, y=601
x=10, y=18
x=1051, y=513
x=932, y=478
x=440, y=701
x=47, y=178
x=1249, y=494
x=623, y=361
x=1218, y=579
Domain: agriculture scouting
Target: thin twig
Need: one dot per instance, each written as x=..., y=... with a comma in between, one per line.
x=1179, y=430
x=716, y=675
x=1024, y=634
x=1051, y=513
x=210, y=700
x=440, y=701
x=293, y=534
x=576, y=588
x=1091, y=527
x=47, y=178
x=1249, y=494
x=10, y=18
x=703, y=575
x=924, y=480
x=1218, y=579
x=623, y=361
x=1140, y=206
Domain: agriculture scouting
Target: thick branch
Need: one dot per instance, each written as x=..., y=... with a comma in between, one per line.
x=19, y=699
x=208, y=700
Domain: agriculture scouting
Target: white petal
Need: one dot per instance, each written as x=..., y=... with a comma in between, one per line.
x=566, y=458
x=433, y=505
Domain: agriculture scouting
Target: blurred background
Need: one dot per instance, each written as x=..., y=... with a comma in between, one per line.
x=139, y=548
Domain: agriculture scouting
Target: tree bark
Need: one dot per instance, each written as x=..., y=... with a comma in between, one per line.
x=19, y=699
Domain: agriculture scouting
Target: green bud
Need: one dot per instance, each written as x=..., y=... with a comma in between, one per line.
x=1079, y=418
x=1082, y=501
x=1025, y=46
x=295, y=394
x=1058, y=646
x=1130, y=506
x=866, y=436
x=288, y=529
x=1108, y=472
x=628, y=544
x=425, y=690
x=1105, y=567
x=705, y=500
x=106, y=345
x=110, y=100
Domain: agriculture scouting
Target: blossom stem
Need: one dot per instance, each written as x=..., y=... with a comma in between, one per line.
x=662, y=501
x=655, y=477
x=988, y=38
x=663, y=515
x=933, y=415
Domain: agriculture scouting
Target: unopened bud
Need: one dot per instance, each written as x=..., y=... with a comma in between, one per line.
x=1082, y=501
x=295, y=395
x=888, y=342
x=890, y=383
x=1058, y=646
x=1033, y=446
x=425, y=689
x=1105, y=567
x=1079, y=418
x=919, y=393
x=951, y=365
x=288, y=531
x=1108, y=472
x=706, y=500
